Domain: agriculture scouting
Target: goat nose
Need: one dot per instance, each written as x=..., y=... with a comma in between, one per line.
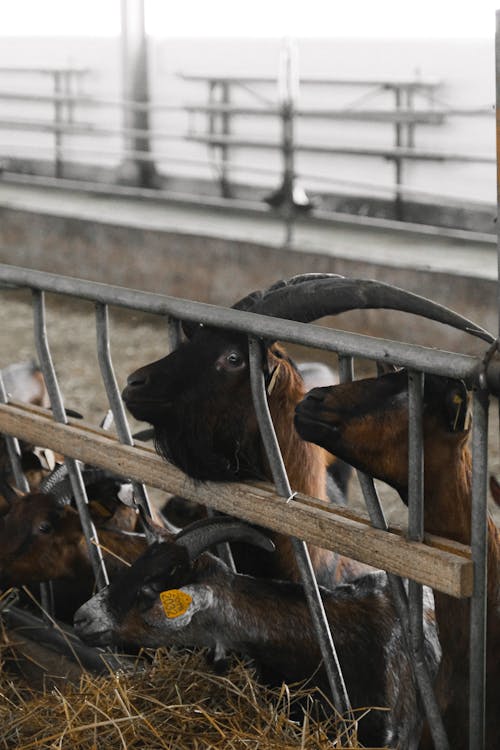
x=137, y=379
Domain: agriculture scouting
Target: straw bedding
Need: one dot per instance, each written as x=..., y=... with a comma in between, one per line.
x=177, y=702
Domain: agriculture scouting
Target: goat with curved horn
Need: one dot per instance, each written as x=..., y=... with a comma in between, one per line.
x=309, y=297
x=199, y=536
x=198, y=400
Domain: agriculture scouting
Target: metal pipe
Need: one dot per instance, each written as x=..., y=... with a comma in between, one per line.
x=406, y=355
x=415, y=503
x=327, y=646
x=116, y=404
x=412, y=639
x=479, y=545
x=13, y=448
x=136, y=88
x=56, y=401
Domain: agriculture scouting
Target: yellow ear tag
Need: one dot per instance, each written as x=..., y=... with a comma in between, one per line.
x=175, y=602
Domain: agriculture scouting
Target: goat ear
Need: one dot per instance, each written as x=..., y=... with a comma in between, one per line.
x=189, y=328
x=456, y=405
x=100, y=511
x=495, y=490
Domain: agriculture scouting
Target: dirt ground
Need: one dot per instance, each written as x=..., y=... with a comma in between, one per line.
x=136, y=338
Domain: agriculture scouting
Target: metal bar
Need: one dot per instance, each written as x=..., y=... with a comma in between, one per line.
x=56, y=401
x=58, y=122
x=310, y=81
x=226, y=131
x=332, y=666
x=115, y=402
x=401, y=116
x=407, y=355
x=395, y=152
x=416, y=506
x=479, y=545
x=497, y=109
x=13, y=449
x=414, y=644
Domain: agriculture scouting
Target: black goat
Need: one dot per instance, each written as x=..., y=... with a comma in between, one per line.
x=176, y=594
x=199, y=401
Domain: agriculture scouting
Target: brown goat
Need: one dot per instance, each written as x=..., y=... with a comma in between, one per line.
x=41, y=539
x=366, y=423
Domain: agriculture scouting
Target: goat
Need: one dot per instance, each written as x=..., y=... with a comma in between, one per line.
x=199, y=402
x=177, y=594
x=41, y=539
x=366, y=423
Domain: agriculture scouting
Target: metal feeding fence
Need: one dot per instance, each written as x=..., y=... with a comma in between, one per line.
x=443, y=565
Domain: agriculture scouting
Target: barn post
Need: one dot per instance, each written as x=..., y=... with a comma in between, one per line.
x=137, y=167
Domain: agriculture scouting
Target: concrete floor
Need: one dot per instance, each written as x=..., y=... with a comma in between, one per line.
x=467, y=254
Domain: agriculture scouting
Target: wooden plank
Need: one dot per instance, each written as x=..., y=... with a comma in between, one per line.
x=304, y=517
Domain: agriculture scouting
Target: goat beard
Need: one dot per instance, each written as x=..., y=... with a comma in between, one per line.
x=201, y=460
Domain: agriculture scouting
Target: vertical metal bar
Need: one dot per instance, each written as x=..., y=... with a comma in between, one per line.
x=13, y=448
x=327, y=646
x=58, y=123
x=410, y=129
x=115, y=401
x=415, y=500
x=59, y=412
x=173, y=333
x=400, y=599
x=135, y=85
x=226, y=131
x=398, y=201
x=497, y=72
x=288, y=93
x=479, y=545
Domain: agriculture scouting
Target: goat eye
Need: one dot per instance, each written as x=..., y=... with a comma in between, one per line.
x=234, y=359
x=45, y=527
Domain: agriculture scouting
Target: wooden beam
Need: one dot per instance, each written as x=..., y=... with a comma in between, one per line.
x=438, y=563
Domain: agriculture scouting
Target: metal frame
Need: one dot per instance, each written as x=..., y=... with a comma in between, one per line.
x=220, y=139
x=479, y=373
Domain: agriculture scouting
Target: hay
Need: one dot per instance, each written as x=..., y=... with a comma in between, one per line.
x=176, y=702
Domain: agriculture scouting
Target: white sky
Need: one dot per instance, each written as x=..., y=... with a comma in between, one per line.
x=257, y=18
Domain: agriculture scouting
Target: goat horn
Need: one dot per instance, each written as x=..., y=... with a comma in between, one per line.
x=201, y=535
x=56, y=477
x=310, y=297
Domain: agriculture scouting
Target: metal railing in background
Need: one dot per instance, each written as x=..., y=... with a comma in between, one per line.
x=221, y=113
x=422, y=562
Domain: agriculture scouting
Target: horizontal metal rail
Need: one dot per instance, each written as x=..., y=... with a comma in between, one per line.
x=395, y=152
x=407, y=355
x=405, y=83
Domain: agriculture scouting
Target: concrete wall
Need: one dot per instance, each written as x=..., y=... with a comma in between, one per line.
x=219, y=271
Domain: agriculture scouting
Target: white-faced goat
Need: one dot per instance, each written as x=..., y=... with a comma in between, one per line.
x=199, y=401
x=366, y=423
x=178, y=594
